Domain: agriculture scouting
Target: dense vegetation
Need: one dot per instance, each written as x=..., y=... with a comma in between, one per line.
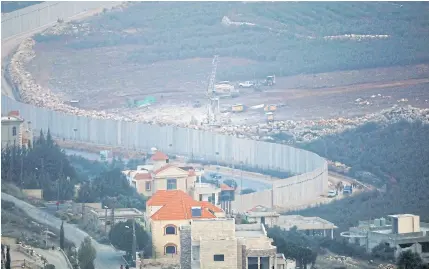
x=10, y=6
x=294, y=245
x=397, y=154
x=122, y=237
x=106, y=181
x=287, y=38
x=44, y=165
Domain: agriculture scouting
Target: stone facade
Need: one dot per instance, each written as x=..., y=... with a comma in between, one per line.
x=186, y=247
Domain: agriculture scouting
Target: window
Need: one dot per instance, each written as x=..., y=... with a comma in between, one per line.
x=171, y=184
x=148, y=186
x=14, y=131
x=196, y=211
x=201, y=197
x=219, y=257
x=170, y=249
x=170, y=229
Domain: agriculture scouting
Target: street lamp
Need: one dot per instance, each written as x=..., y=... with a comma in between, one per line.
x=105, y=220
x=134, y=247
x=74, y=130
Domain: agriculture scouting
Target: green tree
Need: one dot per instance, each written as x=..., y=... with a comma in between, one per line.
x=384, y=252
x=409, y=260
x=8, y=260
x=122, y=237
x=43, y=166
x=87, y=254
x=294, y=245
x=62, y=235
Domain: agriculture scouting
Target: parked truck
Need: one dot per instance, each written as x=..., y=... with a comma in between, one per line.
x=224, y=89
x=348, y=189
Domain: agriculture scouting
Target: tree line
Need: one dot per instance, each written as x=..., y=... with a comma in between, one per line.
x=44, y=165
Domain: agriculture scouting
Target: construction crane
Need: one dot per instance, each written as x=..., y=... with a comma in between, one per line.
x=212, y=100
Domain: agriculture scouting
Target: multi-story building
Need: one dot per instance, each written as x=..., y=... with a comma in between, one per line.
x=402, y=232
x=160, y=174
x=220, y=243
x=166, y=211
x=15, y=130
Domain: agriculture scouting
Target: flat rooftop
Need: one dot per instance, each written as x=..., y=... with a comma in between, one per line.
x=304, y=223
x=249, y=230
x=120, y=212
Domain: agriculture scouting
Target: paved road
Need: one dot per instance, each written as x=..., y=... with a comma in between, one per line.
x=107, y=256
x=53, y=256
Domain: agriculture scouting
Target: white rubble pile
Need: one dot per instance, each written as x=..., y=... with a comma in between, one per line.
x=68, y=28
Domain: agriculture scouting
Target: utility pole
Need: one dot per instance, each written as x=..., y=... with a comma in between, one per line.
x=58, y=184
x=42, y=172
x=105, y=220
x=21, y=172
x=46, y=238
x=134, y=247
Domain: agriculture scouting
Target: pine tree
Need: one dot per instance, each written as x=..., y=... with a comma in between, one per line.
x=7, y=264
x=62, y=235
x=86, y=254
x=41, y=140
x=49, y=140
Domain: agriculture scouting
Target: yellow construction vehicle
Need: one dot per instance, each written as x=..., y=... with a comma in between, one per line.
x=269, y=108
x=237, y=108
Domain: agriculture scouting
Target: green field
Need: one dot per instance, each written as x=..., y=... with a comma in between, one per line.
x=287, y=38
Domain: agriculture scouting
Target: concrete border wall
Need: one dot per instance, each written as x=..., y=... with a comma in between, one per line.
x=32, y=17
x=312, y=169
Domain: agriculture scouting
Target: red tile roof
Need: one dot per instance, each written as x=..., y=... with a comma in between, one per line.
x=211, y=206
x=165, y=167
x=159, y=156
x=225, y=187
x=142, y=176
x=177, y=205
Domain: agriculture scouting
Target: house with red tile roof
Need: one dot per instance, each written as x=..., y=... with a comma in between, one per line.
x=160, y=174
x=166, y=211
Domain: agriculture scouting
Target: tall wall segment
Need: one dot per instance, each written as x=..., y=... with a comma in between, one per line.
x=311, y=182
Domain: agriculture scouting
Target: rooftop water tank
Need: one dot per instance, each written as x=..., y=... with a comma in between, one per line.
x=377, y=222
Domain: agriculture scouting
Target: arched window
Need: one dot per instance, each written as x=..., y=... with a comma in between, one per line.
x=14, y=131
x=170, y=249
x=170, y=229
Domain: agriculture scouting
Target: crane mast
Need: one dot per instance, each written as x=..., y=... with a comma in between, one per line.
x=213, y=101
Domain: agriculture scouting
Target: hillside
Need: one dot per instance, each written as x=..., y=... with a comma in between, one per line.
x=397, y=155
x=284, y=38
